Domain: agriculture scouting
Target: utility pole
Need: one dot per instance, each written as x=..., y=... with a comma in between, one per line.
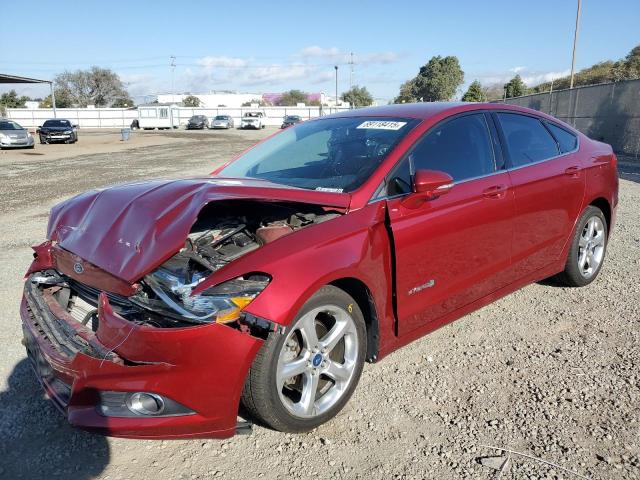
x=173, y=69
x=336, y=67
x=351, y=72
x=575, y=41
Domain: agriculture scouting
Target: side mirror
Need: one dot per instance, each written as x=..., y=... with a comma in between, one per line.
x=427, y=185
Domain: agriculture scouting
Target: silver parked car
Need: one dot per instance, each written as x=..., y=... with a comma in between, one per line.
x=13, y=135
x=222, y=121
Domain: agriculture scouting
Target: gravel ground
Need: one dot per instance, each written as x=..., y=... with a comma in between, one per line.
x=547, y=371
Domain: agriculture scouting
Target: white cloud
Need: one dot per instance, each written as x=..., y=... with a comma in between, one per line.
x=335, y=54
x=316, y=51
x=222, y=62
x=383, y=58
x=530, y=78
x=274, y=74
x=536, y=78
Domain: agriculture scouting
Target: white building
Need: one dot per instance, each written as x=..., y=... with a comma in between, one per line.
x=213, y=99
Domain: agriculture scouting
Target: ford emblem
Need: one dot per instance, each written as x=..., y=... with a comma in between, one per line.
x=78, y=268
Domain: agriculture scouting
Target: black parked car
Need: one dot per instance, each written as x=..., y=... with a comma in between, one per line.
x=198, y=122
x=290, y=120
x=58, y=130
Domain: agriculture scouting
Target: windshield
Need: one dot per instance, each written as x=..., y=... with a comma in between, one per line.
x=197, y=118
x=221, y=117
x=56, y=123
x=291, y=119
x=9, y=125
x=336, y=154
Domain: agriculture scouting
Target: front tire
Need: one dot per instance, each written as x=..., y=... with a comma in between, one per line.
x=303, y=378
x=588, y=248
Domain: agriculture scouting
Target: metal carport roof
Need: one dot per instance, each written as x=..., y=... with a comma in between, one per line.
x=6, y=78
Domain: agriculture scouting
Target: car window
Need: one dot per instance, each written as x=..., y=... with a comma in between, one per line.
x=56, y=123
x=9, y=125
x=567, y=141
x=336, y=153
x=399, y=181
x=528, y=141
x=460, y=147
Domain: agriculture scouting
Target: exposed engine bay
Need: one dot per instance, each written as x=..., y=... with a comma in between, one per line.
x=224, y=232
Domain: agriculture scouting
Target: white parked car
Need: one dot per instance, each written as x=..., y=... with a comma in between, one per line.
x=252, y=120
x=13, y=135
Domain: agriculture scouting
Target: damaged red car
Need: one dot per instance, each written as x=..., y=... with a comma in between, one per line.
x=156, y=309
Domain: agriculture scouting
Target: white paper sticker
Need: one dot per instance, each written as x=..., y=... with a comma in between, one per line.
x=382, y=125
x=328, y=189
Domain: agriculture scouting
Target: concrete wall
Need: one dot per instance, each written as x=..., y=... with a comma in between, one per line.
x=609, y=112
x=122, y=117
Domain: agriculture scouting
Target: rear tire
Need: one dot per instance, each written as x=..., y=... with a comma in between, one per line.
x=303, y=378
x=588, y=248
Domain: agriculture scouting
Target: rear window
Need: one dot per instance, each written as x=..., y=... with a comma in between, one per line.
x=567, y=141
x=528, y=141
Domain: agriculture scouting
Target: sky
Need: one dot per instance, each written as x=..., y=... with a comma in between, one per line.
x=275, y=46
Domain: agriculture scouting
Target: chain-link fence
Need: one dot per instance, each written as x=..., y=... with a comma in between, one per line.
x=609, y=112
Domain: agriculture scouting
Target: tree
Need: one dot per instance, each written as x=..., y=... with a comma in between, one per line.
x=493, y=92
x=292, y=98
x=10, y=99
x=191, y=101
x=627, y=68
x=123, y=102
x=256, y=101
x=516, y=87
x=62, y=101
x=97, y=86
x=357, y=96
x=475, y=93
x=406, y=93
x=438, y=80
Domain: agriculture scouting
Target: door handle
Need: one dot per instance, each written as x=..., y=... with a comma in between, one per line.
x=497, y=191
x=573, y=171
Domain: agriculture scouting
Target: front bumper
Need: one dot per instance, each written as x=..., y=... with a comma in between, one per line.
x=255, y=126
x=56, y=136
x=221, y=125
x=17, y=142
x=196, y=127
x=202, y=367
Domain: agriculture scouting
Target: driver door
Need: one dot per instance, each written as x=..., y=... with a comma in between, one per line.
x=456, y=248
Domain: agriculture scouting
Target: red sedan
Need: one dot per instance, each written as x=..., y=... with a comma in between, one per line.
x=155, y=308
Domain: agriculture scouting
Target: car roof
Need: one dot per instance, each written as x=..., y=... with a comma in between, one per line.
x=425, y=110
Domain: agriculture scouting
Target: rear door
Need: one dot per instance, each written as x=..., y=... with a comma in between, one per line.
x=548, y=185
x=454, y=249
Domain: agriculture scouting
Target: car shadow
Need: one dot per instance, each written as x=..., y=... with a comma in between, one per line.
x=35, y=439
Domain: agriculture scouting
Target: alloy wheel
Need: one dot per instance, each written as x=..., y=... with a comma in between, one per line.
x=591, y=247
x=317, y=362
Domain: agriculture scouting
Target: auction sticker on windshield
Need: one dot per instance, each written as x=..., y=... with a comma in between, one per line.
x=382, y=125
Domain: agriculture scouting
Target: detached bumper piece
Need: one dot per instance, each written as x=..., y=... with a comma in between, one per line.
x=136, y=381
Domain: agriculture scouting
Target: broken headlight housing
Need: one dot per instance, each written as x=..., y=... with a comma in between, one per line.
x=221, y=303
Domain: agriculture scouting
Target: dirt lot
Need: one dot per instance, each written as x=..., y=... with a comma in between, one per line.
x=547, y=371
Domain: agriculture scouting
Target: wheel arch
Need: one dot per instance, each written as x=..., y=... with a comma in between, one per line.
x=603, y=204
x=357, y=289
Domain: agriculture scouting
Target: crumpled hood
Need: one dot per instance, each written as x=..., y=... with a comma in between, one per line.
x=128, y=230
